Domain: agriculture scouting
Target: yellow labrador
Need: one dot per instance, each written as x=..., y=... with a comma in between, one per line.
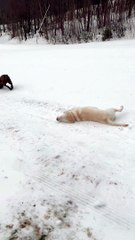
x=91, y=114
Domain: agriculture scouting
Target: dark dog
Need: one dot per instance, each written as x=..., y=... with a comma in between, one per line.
x=4, y=79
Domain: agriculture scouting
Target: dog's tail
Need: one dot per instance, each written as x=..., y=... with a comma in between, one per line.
x=117, y=124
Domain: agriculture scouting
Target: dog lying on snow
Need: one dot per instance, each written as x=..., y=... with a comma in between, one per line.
x=4, y=80
x=91, y=114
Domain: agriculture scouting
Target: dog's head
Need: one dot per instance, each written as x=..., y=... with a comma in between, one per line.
x=67, y=117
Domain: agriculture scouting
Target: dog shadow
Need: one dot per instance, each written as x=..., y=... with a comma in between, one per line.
x=16, y=87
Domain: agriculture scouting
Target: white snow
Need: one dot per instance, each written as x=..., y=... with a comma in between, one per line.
x=67, y=181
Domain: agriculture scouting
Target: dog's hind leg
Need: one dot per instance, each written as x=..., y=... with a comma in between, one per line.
x=116, y=124
x=9, y=87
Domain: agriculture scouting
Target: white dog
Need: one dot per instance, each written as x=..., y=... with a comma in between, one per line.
x=91, y=114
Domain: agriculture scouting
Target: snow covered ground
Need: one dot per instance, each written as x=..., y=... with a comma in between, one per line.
x=67, y=181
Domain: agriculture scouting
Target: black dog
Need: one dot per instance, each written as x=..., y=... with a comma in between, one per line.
x=4, y=79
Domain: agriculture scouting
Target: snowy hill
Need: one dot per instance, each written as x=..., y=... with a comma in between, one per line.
x=67, y=181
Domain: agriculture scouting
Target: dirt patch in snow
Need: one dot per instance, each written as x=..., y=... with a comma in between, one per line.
x=55, y=219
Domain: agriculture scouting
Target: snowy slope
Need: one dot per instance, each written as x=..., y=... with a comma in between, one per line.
x=67, y=181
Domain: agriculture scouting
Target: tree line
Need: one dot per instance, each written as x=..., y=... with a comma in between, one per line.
x=65, y=20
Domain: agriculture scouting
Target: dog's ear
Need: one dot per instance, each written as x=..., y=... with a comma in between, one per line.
x=71, y=117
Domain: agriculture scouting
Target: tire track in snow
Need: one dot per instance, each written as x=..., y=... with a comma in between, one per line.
x=84, y=200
